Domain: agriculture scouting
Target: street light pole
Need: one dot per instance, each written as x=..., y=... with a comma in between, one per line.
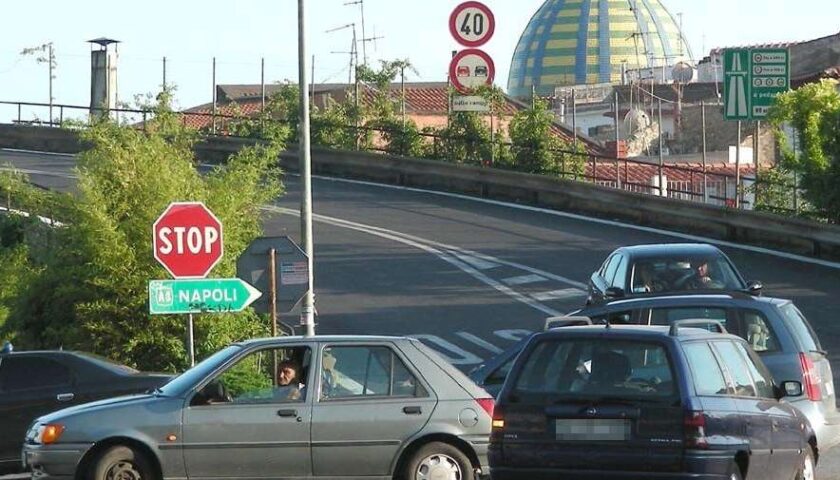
x=307, y=316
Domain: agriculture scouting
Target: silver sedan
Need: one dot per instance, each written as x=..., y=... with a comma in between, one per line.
x=293, y=407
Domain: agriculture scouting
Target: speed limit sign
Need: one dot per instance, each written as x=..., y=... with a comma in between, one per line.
x=472, y=24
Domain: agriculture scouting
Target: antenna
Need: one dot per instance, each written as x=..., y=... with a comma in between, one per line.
x=354, y=50
x=361, y=4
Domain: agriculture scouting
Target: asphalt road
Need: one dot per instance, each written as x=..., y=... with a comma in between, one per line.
x=471, y=277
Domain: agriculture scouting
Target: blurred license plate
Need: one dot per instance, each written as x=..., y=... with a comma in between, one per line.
x=605, y=430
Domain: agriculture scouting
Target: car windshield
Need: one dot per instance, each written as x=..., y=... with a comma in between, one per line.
x=182, y=383
x=653, y=275
x=596, y=368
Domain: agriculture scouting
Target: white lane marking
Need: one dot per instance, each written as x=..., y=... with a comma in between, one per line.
x=462, y=357
x=44, y=173
x=564, y=294
x=524, y=280
x=480, y=342
x=418, y=243
x=612, y=223
x=478, y=263
x=514, y=335
x=36, y=152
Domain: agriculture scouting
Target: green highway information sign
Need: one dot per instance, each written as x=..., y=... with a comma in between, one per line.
x=170, y=297
x=752, y=79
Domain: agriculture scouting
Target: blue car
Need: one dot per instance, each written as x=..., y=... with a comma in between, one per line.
x=647, y=402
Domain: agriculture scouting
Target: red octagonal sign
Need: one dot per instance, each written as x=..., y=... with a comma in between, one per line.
x=188, y=240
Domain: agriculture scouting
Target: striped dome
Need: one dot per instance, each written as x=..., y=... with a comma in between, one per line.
x=574, y=42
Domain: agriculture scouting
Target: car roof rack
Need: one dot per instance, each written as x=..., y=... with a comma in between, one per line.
x=689, y=323
x=560, y=322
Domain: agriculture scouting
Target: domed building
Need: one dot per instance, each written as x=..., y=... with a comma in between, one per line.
x=576, y=42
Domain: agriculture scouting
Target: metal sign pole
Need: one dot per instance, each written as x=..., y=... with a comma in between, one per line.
x=307, y=317
x=272, y=289
x=738, y=168
x=705, y=178
x=191, y=341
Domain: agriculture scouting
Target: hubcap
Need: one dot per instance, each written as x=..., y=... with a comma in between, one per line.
x=439, y=467
x=123, y=470
x=808, y=468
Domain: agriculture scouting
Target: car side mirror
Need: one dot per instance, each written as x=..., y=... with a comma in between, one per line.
x=614, y=292
x=755, y=287
x=791, y=389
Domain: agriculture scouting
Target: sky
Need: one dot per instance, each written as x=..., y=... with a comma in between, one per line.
x=239, y=33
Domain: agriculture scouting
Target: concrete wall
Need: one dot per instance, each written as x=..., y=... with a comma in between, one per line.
x=755, y=228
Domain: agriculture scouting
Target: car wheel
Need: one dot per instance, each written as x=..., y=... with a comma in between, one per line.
x=735, y=472
x=439, y=461
x=122, y=463
x=807, y=469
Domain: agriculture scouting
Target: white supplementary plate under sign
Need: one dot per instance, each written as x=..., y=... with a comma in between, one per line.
x=470, y=104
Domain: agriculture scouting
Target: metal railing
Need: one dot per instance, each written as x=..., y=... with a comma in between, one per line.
x=709, y=185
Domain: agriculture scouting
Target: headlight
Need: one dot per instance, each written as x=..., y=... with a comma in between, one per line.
x=44, y=434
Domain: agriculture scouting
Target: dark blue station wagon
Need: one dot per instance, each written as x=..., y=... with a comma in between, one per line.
x=646, y=402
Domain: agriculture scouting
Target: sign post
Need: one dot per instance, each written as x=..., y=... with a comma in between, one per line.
x=187, y=241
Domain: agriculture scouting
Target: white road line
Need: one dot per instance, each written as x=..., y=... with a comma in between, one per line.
x=36, y=152
x=417, y=243
x=480, y=342
x=565, y=294
x=524, y=280
x=478, y=263
x=44, y=173
x=612, y=223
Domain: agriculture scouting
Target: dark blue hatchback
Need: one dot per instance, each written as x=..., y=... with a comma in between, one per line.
x=646, y=402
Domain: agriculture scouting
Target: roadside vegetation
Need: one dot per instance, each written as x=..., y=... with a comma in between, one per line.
x=83, y=283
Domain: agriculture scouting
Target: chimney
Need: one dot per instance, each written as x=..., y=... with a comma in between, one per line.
x=103, y=76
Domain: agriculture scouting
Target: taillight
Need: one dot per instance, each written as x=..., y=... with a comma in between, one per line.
x=811, y=377
x=694, y=423
x=486, y=404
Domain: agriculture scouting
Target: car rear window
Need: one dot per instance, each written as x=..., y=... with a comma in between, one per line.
x=596, y=368
x=800, y=328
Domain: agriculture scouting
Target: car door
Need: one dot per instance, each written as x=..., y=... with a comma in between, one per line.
x=241, y=423
x=371, y=401
x=30, y=386
x=787, y=439
x=754, y=408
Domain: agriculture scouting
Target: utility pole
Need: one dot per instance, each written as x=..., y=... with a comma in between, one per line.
x=738, y=169
x=51, y=60
x=574, y=116
x=214, y=96
x=164, y=74
x=703, y=128
x=661, y=155
x=262, y=82
x=307, y=317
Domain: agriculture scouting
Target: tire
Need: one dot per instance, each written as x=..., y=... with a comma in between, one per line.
x=734, y=472
x=439, y=457
x=122, y=463
x=807, y=468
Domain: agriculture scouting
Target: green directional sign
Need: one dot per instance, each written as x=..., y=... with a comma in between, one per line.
x=170, y=297
x=752, y=79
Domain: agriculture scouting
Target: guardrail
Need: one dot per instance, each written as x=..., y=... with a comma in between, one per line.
x=714, y=185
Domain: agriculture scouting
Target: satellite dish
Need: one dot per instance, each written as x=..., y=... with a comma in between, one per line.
x=682, y=73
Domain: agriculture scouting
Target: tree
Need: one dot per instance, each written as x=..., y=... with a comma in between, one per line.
x=90, y=293
x=535, y=147
x=814, y=113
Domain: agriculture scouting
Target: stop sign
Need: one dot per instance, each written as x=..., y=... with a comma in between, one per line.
x=188, y=240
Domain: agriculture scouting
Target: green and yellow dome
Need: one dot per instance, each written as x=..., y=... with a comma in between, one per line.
x=575, y=42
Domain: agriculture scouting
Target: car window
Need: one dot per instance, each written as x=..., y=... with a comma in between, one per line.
x=272, y=375
x=620, y=279
x=498, y=376
x=669, y=315
x=708, y=377
x=761, y=377
x=624, y=317
x=27, y=373
x=800, y=328
x=609, y=273
x=737, y=368
x=685, y=273
x=757, y=331
x=363, y=371
x=596, y=368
